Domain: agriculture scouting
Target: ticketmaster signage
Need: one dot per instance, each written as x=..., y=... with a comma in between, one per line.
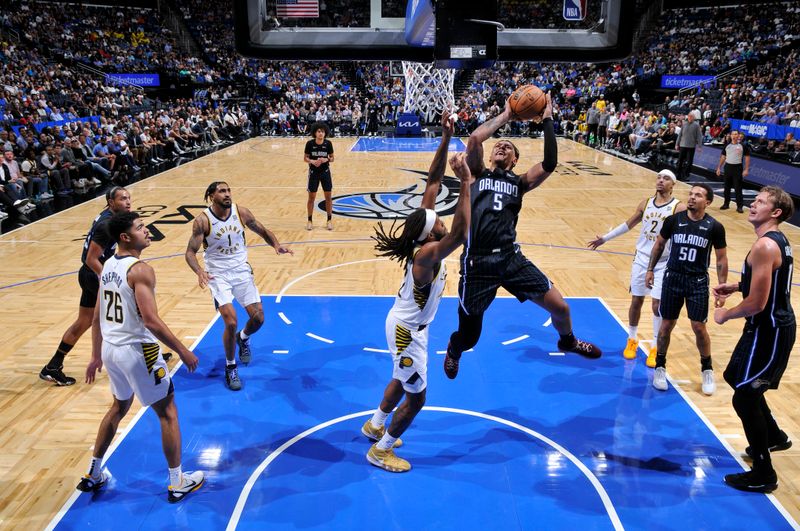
x=143, y=79
x=679, y=82
x=762, y=130
x=762, y=171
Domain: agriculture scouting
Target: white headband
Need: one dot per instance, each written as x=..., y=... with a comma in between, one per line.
x=430, y=219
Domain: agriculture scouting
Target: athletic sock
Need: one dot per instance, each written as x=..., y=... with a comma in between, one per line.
x=230, y=363
x=309, y=218
x=329, y=217
x=57, y=360
x=386, y=442
x=379, y=418
x=705, y=364
x=661, y=360
x=632, y=331
x=175, y=476
x=656, y=327
x=567, y=339
x=94, y=467
x=243, y=335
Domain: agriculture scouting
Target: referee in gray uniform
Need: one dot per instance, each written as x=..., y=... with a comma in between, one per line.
x=690, y=138
x=734, y=153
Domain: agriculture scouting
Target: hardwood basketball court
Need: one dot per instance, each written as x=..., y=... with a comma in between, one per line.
x=48, y=431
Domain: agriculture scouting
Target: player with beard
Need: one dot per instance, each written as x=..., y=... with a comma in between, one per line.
x=420, y=244
x=227, y=274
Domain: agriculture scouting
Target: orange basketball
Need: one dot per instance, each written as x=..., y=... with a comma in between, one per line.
x=527, y=102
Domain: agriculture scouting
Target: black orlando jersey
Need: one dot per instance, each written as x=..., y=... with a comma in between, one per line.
x=691, y=242
x=778, y=311
x=496, y=202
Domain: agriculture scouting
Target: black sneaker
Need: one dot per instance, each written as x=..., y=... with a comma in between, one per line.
x=244, y=348
x=90, y=484
x=785, y=445
x=752, y=481
x=56, y=376
x=232, y=380
x=450, y=365
x=724, y=207
x=584, y=348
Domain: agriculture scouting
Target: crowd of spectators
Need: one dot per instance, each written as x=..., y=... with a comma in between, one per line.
x=40, y=83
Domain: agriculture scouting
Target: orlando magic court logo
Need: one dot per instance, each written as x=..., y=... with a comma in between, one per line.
x=398, y=204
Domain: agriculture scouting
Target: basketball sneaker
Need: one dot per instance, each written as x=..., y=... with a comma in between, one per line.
x=190, y=482
x=630, y=349
x=244, y=348
x=386, y=460
x=584, y=348
x=232, y=380
x=309, y=226
x=90, y=484
x=660, y=379
x=56, y=376
x=709, y=385
x=450, y=364
x=785, y=445
x=753, y=481
x=651, y=357
x=374, y=434
x=330, y=225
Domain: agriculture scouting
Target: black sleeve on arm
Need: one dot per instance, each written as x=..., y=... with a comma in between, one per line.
x=550, y=160
x=667, y=227
x=718, y=236
x=101, y=236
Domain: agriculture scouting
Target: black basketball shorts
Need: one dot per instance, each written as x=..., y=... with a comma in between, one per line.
x=678, y=288
x=481, y=275
x=90, y=285
x=760, y=357
x=315, y=178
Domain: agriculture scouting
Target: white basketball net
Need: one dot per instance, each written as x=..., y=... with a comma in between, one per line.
x=429, y=90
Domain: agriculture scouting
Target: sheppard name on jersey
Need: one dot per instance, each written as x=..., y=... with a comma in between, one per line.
x=112, y=277
x=498, y=186
x=690, y=239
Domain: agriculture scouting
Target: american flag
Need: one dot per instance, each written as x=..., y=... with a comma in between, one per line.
x=297, y=8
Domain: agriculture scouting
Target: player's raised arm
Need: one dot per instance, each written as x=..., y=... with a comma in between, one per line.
x=433, y=253
x=436, y=171
x=621, y=229
x=482, y=133
x=538, y=173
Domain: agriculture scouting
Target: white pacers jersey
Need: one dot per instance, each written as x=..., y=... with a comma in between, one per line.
x=416, y=306
x=652, y=221
x=224, y=245
x=120, y=321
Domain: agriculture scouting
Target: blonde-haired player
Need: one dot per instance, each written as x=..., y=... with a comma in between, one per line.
x=651, y=212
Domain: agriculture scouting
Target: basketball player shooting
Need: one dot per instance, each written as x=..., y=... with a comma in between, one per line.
x=491, y=258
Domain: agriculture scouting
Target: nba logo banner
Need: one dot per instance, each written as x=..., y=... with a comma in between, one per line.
x=574, y=9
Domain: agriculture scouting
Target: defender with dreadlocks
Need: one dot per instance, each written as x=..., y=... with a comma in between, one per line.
x=419, y=244
x=220, y=229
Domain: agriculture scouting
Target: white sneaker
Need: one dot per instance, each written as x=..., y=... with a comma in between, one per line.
x=81, y=183
x=96, y=181
x=660, y=379
x=190, y=482
x=709, y=385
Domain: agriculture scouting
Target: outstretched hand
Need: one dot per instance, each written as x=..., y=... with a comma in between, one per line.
x=459, y=164
x=283, y=250
x=448, y=122
x=597, y=242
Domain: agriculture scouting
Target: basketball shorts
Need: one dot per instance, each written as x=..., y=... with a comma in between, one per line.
x=481, y=275
x=137, y=369
x=90, y=285
x=760, y=357
x=677, y=288
x=639, y=288
x=409, y=348
x=237, y=284
x=323, y=177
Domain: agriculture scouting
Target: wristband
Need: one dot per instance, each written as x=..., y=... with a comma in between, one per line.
x=619, y=230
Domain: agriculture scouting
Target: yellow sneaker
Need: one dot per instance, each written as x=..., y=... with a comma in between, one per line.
x=375, y=434
x=386, y=460
x=651, y=357
x=630, y=349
